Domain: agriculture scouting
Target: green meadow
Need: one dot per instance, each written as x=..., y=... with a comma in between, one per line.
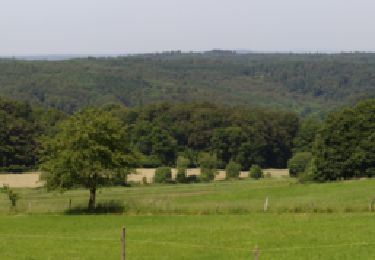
x=219, y=220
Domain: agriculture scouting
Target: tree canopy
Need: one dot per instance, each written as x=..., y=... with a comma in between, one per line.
x=304, y=83
x=90, y=149
x=345, y=145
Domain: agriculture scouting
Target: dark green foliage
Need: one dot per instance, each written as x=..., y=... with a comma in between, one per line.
x=305, y=83
x=158, y=146
x=108, y=207
x=90, y=149
x=157, y=133
x=246, y=135
x=305, y=136
x=256, y=172
x=345, y=146
x=192, y=179
x=21, y=126
x=298, y=163
x=163, y=175
x=208, y=166
x=18, y=131
x=233, y=170
x=181, y=177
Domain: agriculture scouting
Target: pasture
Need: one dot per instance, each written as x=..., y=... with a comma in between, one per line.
x=219, y=220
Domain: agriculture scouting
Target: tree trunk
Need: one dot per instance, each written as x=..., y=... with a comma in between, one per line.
x=92, y=198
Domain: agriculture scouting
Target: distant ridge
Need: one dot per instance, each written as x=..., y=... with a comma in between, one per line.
x=61, y=57
x=312, y=83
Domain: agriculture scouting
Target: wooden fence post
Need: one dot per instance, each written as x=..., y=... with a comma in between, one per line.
x=256, y=253
x=371, y=204
x=123, y=242
x=265, y=206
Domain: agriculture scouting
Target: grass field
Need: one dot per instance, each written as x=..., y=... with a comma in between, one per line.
x=221, y=220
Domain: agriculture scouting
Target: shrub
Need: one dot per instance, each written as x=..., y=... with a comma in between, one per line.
x=308, y=174
x=182, y=165
x=298, y=163
x=233, y=170
x=256, y=172
x=192, y=179
x=208, y=164
x=181, y=177
x=12, y=196
x=163, y=175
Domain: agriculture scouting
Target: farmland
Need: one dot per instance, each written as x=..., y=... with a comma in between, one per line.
x=219, y=220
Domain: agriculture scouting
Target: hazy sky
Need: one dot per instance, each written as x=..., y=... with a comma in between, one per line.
x=135, y=26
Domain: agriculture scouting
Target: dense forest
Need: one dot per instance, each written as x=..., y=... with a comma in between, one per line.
x=159, y=133
x=303, y=83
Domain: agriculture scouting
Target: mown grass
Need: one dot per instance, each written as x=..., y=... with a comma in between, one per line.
x=222, y=220
x=279, y=236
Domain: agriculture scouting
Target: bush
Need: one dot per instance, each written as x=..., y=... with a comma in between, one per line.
x=12, y=196
x=192, y=179
x=256, y=172
x=181, y=177
x=298, y=163
x=233, y=170
x=308, y=174
x=208, y=164
x=182, y=165
x=192, y=156
x=163, y=175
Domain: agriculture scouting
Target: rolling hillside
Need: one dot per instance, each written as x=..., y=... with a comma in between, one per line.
x=305, y=83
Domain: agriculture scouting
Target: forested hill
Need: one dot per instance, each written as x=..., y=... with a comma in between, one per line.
x=300, y=82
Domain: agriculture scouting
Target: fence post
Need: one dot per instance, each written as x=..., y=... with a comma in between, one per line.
x=371, y=204
x=256, y=253
x=265, y=206
x=123, y=237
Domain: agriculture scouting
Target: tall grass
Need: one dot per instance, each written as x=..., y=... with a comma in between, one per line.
x=226, y=197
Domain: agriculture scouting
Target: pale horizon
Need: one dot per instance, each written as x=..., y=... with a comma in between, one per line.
x=123, y=27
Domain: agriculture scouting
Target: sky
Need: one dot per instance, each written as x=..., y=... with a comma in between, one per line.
x=33, y=27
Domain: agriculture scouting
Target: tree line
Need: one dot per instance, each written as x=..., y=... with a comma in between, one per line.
x=159, y=133
x=338, y=147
